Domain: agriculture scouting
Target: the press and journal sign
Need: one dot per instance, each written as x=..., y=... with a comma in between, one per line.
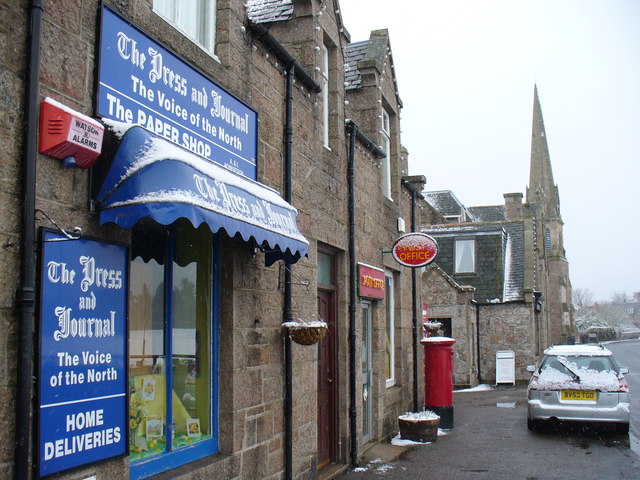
x=82, y=377
x=141, y=82
x=415, y=250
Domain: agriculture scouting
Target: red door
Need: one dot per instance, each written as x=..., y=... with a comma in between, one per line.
x=327, y=383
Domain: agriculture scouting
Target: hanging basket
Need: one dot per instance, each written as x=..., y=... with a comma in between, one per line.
x=306, y=333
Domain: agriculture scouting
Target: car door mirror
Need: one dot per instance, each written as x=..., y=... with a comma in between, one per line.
x=531, y=368
x=624, y=370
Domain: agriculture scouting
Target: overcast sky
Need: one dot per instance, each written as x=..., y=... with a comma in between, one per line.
x=466, y=70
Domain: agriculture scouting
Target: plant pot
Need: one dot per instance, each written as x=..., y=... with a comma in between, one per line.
x=307, y=335
x=419, y=430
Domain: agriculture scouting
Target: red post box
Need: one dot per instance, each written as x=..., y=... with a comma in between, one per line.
x=438, y=377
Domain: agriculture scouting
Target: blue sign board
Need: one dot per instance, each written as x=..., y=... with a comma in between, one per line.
x=141, y=82
x=83, y=348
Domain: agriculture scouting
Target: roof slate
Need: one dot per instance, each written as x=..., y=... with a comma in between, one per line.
x=353, y=54
x=489, y=213
x=266, y=11
x=446, y=203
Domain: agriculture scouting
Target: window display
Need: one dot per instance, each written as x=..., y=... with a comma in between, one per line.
x=170, y=338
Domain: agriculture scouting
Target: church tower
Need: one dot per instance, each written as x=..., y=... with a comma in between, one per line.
x=555, y=318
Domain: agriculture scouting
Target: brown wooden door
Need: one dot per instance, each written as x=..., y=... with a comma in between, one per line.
x=327, y=383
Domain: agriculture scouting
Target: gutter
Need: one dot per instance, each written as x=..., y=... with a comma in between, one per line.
x=354, y=134
x=26, y=295
x=262, y=33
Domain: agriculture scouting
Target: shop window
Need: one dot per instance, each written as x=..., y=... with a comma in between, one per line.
x=465, y=256
x=172, y=347
x=195, y=18
x=390, y=364
x=386, y=161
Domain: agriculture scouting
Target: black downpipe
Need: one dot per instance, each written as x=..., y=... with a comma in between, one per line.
x=353, y=295
x=414, y=320
x=414, y=294
x=26, y=292
x=354, y=134
x=288, y=310
x=478, y=342
x=293, y=69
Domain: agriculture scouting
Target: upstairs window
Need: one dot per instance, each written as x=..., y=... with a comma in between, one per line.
x=195, y=18
x=465, y=256
x=386, y=161
x=325, y=95
x=390, y=346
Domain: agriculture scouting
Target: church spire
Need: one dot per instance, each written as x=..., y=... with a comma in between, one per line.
x=542, y=190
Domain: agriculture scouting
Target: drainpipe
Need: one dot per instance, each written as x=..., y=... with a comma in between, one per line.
x=354, y=133
x=288, y=310
x=25, y=297
x=478, y=341
x=353, y=294
x=293, y=69
x=414, y=293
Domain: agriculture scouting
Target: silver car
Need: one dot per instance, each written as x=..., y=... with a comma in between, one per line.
x=578, y=383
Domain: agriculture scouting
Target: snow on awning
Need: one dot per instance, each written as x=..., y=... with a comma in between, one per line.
x=151, y=177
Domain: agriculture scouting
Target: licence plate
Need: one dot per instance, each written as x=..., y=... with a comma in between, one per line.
x=582, y=395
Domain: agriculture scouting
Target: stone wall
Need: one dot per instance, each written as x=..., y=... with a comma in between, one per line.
x=506, y=326
x=251, y=372
x=447, y=300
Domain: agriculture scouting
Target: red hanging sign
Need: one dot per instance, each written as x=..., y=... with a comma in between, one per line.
x=415, y=250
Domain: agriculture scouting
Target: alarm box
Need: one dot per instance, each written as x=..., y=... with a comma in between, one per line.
x=69, y=135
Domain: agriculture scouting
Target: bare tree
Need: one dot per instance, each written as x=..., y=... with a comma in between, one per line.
x=582, y=299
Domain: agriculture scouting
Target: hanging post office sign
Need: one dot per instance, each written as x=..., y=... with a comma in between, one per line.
x=415, y=249
x=82, y=394
x=140, y=82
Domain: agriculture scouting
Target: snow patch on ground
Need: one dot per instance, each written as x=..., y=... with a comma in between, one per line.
x=480, y=388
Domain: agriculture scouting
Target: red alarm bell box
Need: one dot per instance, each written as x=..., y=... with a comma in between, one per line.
x=69, y=135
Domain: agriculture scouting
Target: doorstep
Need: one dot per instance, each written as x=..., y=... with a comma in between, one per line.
x=332, y=471
x=384, y=451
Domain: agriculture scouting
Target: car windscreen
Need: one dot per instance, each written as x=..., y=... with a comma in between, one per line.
x=597, y=363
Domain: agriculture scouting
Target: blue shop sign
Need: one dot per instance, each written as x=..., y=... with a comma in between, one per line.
x=141, y=82
x=83, y=347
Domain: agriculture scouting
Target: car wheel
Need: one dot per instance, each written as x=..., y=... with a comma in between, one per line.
x=622, y=427
x=532, y=424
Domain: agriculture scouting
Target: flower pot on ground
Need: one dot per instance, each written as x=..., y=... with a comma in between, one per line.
x=419, y=426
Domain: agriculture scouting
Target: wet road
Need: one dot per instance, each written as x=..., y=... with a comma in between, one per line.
x=491, y=441
x=627, y=354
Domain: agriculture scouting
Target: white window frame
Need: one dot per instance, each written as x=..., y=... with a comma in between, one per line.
x=196, y=19
x=390, y=325
x=325, y=95
x=386, y=161
x=463, y=246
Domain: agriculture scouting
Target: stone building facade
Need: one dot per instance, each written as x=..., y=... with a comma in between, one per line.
x=260, y=405
x=513, y=257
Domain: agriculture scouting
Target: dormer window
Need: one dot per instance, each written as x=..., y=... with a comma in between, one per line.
x=465, y=256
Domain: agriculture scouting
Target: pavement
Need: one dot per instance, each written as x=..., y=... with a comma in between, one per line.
x=490, y=440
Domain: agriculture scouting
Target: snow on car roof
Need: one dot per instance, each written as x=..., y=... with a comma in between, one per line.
x=578, y=350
